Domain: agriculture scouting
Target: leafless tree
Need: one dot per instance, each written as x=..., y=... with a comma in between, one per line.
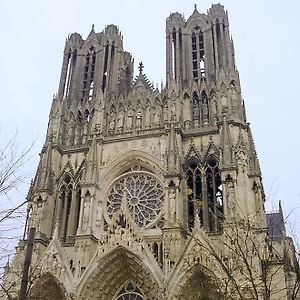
x=12, y=211
x=257, y=263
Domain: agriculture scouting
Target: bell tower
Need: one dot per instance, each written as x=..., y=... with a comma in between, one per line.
x=98, y=63
x=199, y=48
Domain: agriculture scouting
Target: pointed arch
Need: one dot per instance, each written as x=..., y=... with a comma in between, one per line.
x=71, y=61
x=87, y=115
x=204, y=193
x=88, y=74
x=122, y=266
x=79, y=116
x=195, y=204
x=198, y=54
x=214, y=195
x=129, y=291
x=197, y=283
x=48, y=287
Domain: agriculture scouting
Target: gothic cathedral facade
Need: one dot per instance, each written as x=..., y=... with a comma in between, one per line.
x=145, y=193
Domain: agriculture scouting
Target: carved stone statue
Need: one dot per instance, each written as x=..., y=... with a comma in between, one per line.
x=129, y=118
x=120, y=120
x=138, y=122
x=112, y=122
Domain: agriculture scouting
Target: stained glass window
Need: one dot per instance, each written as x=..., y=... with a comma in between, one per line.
x=143, y=194
x=130, y=292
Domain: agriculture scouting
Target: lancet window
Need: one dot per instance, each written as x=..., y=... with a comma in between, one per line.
x=204, y=195
x=109, y=56
x=176, y=47
x=198, y=55
x=71, y=60
x=130, y=292
x=88, y=75
x=69, y=202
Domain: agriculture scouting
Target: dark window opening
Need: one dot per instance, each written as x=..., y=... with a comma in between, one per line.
x=72, y=56
x=104, y=77
x=205, y=195
x=88, y=75
x=198, y=55
x=77, y=210
x=174, y=54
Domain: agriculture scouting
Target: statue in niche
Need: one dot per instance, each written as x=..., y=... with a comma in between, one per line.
x=112, y=121
x=214, y=108
x=37, y=214
x=120, y=120
x=157, y=116
x=84, y=133
x=166, y=117
x=205, y=112
x=233, y=97
x=230, y=197
x=196, y=111
x=172, y=201
x=86, y=212
x=69, y=136
x=173, y=110
x=138, y=121
x=187, y=124
x=148, y=116
x=224, y=103
x=129, y=119
x=242, y=160
x=77, y=134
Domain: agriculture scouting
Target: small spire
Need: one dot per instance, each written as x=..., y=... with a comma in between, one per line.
x=195, y=7
x=93, y=29
x=141, y=67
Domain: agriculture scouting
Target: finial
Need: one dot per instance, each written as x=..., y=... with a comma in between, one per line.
x=93, y=27
x=141, y=67
x=195, y=6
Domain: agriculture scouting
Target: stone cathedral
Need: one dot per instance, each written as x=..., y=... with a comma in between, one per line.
x=153, y=193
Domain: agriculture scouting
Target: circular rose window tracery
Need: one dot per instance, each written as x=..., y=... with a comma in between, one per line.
x=143, y=194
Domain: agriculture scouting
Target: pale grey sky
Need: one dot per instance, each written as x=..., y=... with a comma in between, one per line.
x=267, y=42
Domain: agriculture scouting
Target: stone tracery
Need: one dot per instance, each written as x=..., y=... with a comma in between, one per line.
x=141, y=192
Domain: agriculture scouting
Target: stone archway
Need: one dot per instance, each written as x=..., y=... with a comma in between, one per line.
x=113, y=271
x=48, y=287
x=198, y=283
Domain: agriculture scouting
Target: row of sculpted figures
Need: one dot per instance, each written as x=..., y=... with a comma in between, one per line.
x=197, y=110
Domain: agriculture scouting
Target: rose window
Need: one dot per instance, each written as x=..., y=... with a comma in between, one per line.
x=141, y=192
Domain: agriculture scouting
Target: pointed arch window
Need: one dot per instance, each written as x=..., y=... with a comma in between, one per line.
x=174, y=46
x=64, y=206
x=198, y=55
x=88, y=75
x=204, y=195
x=194, y=193
x=105, y=65
x=77, y=209
x=130, y=292
x=71, y=60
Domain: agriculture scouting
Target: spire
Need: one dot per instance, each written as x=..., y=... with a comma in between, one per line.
x=45, y=180
x=173, y=157
x=255, y=168
x=281, y=211
x=226, y=143
x=93, y=29
x=91, y=173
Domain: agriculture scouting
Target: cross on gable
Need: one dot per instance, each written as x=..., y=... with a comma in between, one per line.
x=141, y=67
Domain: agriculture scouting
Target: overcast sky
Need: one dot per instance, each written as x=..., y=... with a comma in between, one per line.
x=267, y=41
